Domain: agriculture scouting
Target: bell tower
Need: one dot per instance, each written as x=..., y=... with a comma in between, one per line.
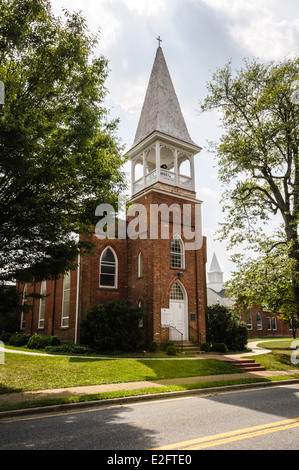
x=172, y=286
x=163, y=151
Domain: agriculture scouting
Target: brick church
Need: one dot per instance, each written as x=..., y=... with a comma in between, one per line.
x=156, y=264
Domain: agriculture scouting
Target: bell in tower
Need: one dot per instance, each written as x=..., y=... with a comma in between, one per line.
x=163, y=151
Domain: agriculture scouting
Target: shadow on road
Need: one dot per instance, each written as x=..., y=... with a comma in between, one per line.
x=108, y=429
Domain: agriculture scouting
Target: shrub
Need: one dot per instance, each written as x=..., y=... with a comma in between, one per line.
x=19, y=339
x=219, y=347
x=41, y=341
x=206, y=347
x=113, y=327
x=68, y=347
x=225, y=326
x=5, y=337
x=171, y=350
x=153, y=346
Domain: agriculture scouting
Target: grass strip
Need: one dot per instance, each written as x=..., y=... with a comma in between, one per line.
x=124, y=393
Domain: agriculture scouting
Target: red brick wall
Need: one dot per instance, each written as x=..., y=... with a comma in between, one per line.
x=91, y=294
x=159, y=276
x=53, y=309
x=152, y=288
x=281, y=328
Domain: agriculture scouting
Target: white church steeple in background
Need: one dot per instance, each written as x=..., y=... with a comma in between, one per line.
x=215, y=275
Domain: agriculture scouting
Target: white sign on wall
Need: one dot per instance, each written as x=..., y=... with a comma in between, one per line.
x=165, y=317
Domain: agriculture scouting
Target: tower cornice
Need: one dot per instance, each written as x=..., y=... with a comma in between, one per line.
x=164, y=138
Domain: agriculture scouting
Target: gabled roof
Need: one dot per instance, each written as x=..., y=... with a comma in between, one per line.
x=220, y=298
x=161, y=110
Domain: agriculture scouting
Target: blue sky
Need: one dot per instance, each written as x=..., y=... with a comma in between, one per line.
x=198, y=37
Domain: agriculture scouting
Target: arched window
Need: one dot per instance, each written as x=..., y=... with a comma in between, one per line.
x=249, y=321
x=259, y=321
x=42, y=305
x=269, y=323
x=66, y=300
x=177, y=253
x=108, y=268
x=185, y=167
x=140, y=305
x=24, y=300
x=140, y=264
x=176, y=292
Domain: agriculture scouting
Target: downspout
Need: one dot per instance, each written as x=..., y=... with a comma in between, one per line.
x=33, y=308
x=54, y=304
x=197, y=299
x=77, y=300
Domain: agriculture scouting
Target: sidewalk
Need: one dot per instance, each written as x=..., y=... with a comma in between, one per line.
x=94, y=389
x=85, y=390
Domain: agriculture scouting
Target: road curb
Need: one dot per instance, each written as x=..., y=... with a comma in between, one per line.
x=111, y=402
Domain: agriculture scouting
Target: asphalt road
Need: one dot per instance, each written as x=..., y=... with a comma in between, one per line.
x=261, y=419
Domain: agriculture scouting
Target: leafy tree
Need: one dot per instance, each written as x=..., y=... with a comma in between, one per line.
x=258, y=156
x=113, y=327
x=10, y=308
x=59, y=155
x=266, y=281
x=224, y=325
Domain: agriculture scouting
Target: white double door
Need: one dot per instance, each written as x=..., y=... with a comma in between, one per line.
x=178, y=320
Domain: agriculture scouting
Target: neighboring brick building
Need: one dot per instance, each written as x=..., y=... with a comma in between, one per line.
x=259, y=321
x=163, y=274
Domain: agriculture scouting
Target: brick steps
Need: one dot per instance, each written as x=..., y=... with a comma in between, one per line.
x=247, y=365
x=187, y=347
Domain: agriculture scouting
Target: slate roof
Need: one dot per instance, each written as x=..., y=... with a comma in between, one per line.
x=161, y=109
x=214, y=298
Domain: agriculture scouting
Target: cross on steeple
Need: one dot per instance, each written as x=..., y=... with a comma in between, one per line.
x=159, y=40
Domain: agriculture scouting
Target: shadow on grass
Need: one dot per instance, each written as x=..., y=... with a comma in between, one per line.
x=4, y=389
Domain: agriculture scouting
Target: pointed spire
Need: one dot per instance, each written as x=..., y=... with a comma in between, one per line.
x=215, y=275
x=215, y=265
x=161, y=110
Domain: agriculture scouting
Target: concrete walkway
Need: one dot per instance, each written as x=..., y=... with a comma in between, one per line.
x=19, y=397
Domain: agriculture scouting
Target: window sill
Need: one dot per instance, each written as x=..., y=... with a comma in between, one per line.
x=107, y=288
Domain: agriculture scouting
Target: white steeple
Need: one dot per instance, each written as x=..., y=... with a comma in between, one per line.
x=163, y=150
x=161, y=109
x=215, y=275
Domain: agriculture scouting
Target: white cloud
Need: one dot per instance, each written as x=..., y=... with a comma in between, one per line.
x=146, y=7
x=209, y=192
x=130, y=98
x=99, y=14
x=265, y=29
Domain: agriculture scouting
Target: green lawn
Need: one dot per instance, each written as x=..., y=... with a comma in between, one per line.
x=22, y=372
x=281, y=356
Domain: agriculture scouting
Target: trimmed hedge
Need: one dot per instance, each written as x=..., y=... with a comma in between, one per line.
x=219, y=347
x=41, y=341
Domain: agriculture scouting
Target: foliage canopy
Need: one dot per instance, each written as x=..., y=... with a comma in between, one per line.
x=258, y=156
x=224, y=325
x=59, y=155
